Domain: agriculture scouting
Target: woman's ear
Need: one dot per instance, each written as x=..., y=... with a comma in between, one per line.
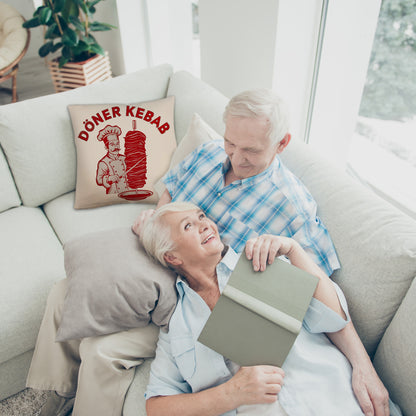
x=170, y=258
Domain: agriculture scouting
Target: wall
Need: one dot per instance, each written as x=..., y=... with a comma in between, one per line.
x=238, y=41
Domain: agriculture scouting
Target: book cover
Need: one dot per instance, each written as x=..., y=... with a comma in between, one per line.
x=259, y=314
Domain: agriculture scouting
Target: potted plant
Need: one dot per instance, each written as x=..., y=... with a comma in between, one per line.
x=68, y=33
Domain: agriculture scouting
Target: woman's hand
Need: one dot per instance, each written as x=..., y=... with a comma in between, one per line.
x=255, y=385
x=264, y=249
x=141, y=219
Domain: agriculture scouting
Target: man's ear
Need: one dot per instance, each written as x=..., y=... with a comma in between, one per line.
x=170, y=258
x=283, y=143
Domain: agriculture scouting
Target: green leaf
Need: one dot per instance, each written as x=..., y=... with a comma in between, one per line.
x=82, y=6
x=62, y=61
x=96, y=48
x=52, y=32
x=82, y=47
x=57, y=46
x=77, y=23
x=100, y=27
x=70, y=9
x=58, y=5
x=66, y=52
x=45, y=49
x=70, y=37
x=63, y=23
x=34, y=22
x=44, y=15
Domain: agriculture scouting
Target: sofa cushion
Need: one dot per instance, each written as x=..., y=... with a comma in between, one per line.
x=9, y=196
x=113, y=286
x=122, y=150
x=31, y=260
x=198, y=133
x=69, y=223
x=134, y=404
x=47, y=133
x=374, y=241
x=394, y=359
x=195, y=96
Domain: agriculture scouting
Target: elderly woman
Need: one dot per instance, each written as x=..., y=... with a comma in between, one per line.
x=188, y=378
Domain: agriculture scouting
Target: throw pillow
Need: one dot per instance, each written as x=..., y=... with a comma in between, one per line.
x=198, y=133
x=122, y=150
x=113, y=285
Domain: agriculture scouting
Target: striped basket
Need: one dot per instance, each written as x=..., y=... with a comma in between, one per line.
x=78, y=74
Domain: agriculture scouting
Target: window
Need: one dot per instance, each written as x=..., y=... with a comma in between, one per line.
x=383, y=147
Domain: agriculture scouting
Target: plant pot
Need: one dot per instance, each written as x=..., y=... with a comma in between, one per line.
x=78, y=74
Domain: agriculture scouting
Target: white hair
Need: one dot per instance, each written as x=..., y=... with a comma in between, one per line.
x=155, y=234
x=261, y=103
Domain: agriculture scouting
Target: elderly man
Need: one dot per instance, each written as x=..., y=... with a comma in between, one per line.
x=243, y=186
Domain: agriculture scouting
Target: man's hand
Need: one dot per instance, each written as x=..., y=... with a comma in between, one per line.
x=264, y=249
x=141, y=219
x=371, y=394
x=255, y=385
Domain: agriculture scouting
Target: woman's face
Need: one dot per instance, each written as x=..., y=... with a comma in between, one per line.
x=195, y=236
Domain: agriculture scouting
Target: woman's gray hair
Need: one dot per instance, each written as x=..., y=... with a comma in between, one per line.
x=261, y=103
x=155, y=234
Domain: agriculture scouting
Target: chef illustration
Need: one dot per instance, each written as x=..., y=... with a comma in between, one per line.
x=111, y=169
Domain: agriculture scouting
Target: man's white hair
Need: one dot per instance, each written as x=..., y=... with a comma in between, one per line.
x=261, y=104
x=155, y=234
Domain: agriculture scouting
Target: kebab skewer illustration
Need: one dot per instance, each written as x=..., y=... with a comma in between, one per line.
x=136, y=165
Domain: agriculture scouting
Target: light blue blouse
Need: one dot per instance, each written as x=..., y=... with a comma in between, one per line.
x=317, y=375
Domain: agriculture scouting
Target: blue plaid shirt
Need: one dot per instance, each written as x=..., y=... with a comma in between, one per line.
x=272, y=202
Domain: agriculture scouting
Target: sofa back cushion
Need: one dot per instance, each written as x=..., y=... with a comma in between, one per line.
x=195, y=96
x=37, y=136
x=375, y=242
x=9, y=196
x=394, y=359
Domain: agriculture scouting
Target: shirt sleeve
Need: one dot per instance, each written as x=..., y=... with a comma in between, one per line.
x=319, y=318
x=165, y=378
x=315, y=240
x=172, y=179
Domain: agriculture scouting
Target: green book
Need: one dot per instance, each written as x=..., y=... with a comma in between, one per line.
x=259, y=314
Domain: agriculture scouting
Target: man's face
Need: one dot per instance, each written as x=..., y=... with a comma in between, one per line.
x=247, y=146
x=113, y=143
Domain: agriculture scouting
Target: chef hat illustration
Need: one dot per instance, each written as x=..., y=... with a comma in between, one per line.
x=106, y=131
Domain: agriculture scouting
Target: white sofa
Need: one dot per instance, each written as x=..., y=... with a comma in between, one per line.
x=376, y=244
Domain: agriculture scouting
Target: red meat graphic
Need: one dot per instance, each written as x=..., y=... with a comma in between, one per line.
x=124, y=174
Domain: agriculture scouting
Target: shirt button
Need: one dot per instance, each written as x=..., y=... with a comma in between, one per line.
x=219, y=194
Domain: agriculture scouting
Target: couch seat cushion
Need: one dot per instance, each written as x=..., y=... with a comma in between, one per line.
x=69, y=223
x=134, y=404
x=31, y=261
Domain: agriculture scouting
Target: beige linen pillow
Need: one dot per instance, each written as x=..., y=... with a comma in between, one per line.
x=113, y=285
x=122, y=150
x=198, y=133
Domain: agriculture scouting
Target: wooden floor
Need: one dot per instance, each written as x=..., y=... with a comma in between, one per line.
x=33, y=80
